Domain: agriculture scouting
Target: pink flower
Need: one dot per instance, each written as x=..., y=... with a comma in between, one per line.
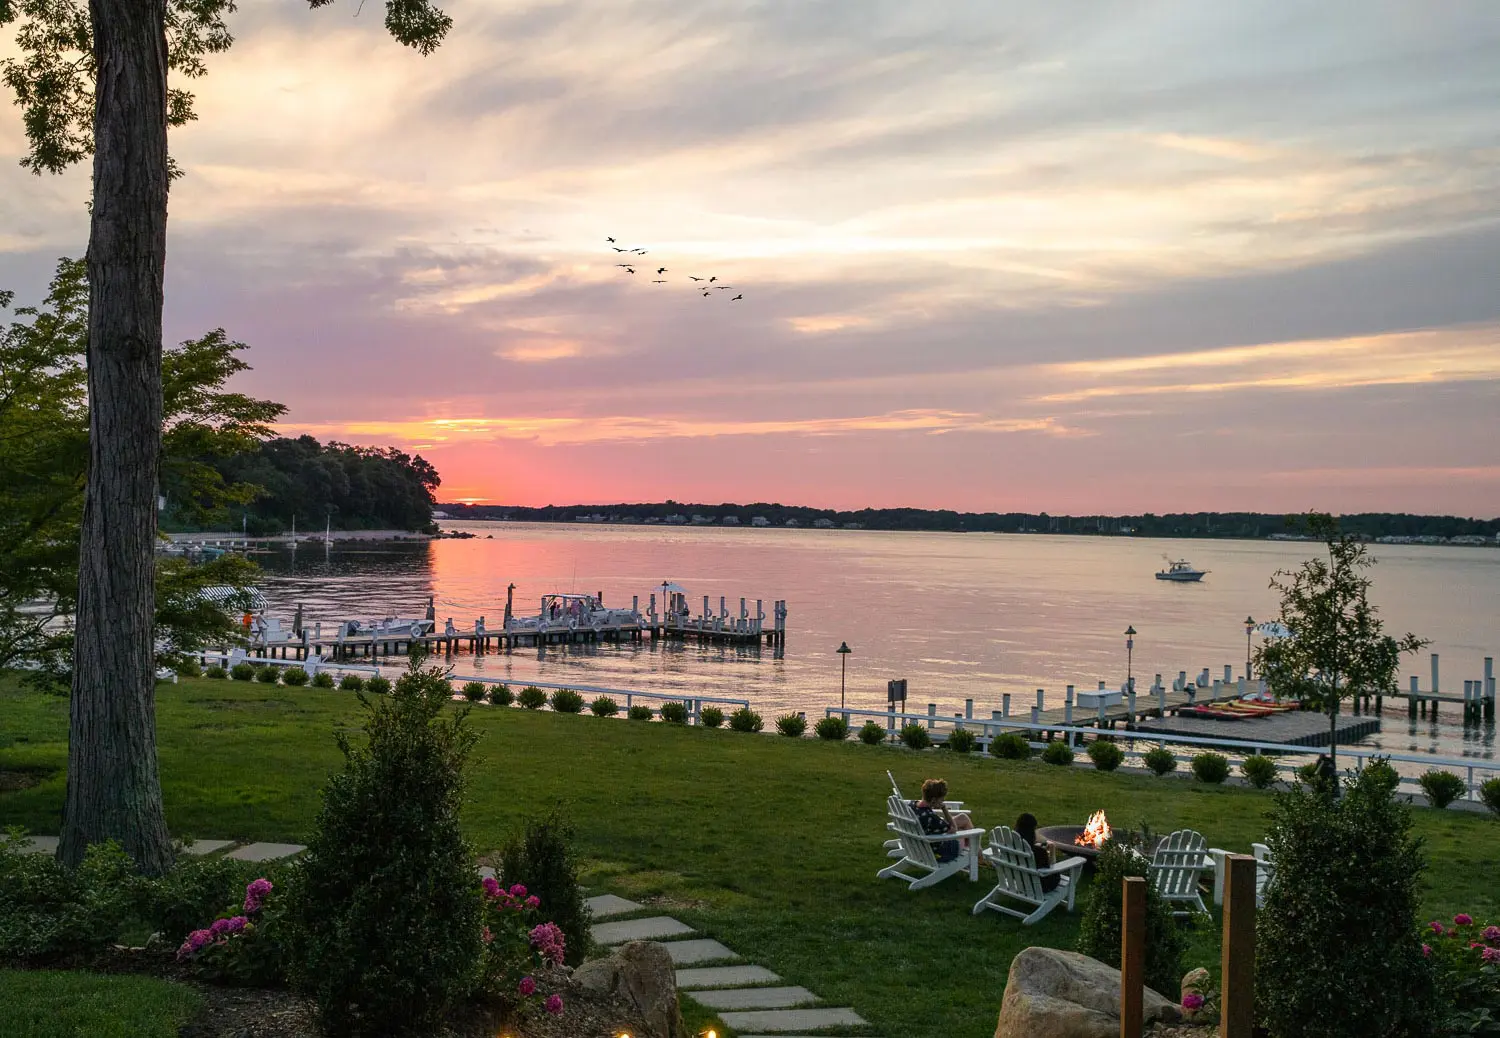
x=491, y=886
x=519, y=890
x=199, y=939
x=1490, y=955
x=219, y=928
x=527, y=987
x=535, y=902
x=1426, y=951
x=184, y=951
x=1463, y=919
x=486, y=936
x=255, y=894
x=1492, y=934
x=1437, y=927
x=1192, y=1001
x=554, y=1004
x=235, y=924
x=548, y=940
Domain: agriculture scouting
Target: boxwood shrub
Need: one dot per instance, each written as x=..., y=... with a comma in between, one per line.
x=834, y=729
x=1106, y=755
x=1259, y=770
x=710, y=717
x=378, y=686
x=294, y=676
x=1490, y=794
x=746, y=720
x=639, y=713
x=501, y=695
x=217, y=673
x=351, y=683
x=566, y=701
x=1441, y=787
x=791, y=725
x=473, y=691
x=323, y=679
x=267, y=675
x=1057, y=752
x=1210, y=767
x=872, y=733
x=961, y=740
x=1010, y=746
x=532, y=698
x=1160, y=760
x=604, y=707
x=242, y=672
x=674, y=712
x=915, y=735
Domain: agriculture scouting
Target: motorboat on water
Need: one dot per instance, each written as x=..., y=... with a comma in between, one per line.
x=572, y=613
x=1180, y=570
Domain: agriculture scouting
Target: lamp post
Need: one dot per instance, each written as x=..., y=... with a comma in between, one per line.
x=1129, y=658
x=843, y=652
x=1249, y=630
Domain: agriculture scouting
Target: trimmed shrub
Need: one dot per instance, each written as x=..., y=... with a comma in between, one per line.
x=376, y=959
x=1382, y=772
x=1259, y=770
x=1211, y=768
x=791, y=725
x=1308, y=775
x=541, y=858
x=351, y=683
x=501, y=695
x=872, y=733
x=834, y=729
x=673, y=712
x=1057, y=752
x=915, y=735
x=189, y=896
x=1345, y=865
x=1106, y=755
x=532, y=698
x=242, y=672
x=961, y=740
x=1099, y=929
x=639, y=713
x=49, y=913
x=379, y=686
x=1160, y=760
x=604, y=707
x=1010, y=746
x=1490, y=794
x=217, y=673
x=323, y=679
x=187, y=667
x=474, y=691
x=267, y=675
x=710, y=717
x=746, y=720
x=566, y=701
x=294, y=676
x=1441, y=787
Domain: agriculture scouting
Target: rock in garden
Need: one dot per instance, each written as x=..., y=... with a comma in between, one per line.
x=1063, y=994
x=1198, y=982
x=642, y=973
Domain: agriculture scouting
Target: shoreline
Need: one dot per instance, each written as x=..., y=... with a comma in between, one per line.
x=219, y=538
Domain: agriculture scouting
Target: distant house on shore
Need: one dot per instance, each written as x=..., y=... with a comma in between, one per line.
x=793, y=522
x=440, y=515
x=760, y=520
x=702, y=520
x=731, y=520
x=823, y=524
x=854, y=526
x=676, y=520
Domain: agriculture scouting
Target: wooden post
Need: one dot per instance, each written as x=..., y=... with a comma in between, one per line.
x=1237, y=1011
x=1133, y=955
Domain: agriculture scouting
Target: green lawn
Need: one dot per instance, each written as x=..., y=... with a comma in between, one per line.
x=768, y=844
x=46, y=1004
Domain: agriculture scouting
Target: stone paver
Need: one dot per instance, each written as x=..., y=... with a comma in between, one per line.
x=199, y=848
x=650, y=929
x=690, y=953
x=40, y=845
x=792, y=1019
x=265, y=851
x=754, y=998
x=486, y=872
x=724, y=977
x=606, y=905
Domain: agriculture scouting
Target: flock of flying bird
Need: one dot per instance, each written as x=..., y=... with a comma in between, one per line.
x=706, y=285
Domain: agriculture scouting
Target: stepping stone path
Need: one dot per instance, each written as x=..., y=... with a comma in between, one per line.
x=266, y=851
x=741, y=994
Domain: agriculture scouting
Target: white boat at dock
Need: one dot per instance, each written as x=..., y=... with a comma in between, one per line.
x=561, y=612
x=1181, y=570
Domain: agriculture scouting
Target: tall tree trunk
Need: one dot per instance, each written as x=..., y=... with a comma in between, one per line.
x=114, y=789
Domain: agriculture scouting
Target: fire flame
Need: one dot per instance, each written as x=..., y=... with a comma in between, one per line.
x=1095, y=833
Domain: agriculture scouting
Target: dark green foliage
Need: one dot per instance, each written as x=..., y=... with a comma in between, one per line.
x=639, y=712
x=1211, y=768
x=1160, y=760
x=323, y=679
x=532, y=698
x=1107, y=756
x=187, y=667
x=49, y=913
x=242, y=672
x=746, y=720
x=1259, y=770
x=872, y=733
x=385, y=913
x=961, y=740
x=217, y=673
x=1057, y=752
x=673, y=712
x=501, y=695
x=1337, y=951
x=711, y=717
x=474, y=691
x=604, y=707
x=791, y=725
x=1441, y=787
x=542, y=858
x=566, y=701
x=189, y=896
x=1489, y=792
x=834, y=729
x=915, y=735
x=351, y=683
x=1010, y=746
x=378, y=686
x=268, y=675
x=294, y=676
x=1381, y=771
x=1099, y=929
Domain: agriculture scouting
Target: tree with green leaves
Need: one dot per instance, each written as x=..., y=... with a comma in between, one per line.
x=1337, y=647
x=94, y=80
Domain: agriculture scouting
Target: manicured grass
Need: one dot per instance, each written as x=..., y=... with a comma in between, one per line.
x=769, y=844
x=46, y=1004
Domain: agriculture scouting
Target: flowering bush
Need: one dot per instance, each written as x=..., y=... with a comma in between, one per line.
x=243, y=945
x=517, y=948
x=1465, y=958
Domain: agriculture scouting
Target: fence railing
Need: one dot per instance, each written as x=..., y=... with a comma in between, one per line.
x=694, y=703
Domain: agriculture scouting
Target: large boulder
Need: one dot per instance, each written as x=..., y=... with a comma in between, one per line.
x=642, y=973
x=1062, y=994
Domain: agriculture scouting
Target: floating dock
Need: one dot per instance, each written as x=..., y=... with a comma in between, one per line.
x=1294, y=728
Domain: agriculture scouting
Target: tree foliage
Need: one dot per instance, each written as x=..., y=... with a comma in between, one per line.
x=1338, y=647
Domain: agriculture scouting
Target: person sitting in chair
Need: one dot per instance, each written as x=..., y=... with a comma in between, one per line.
x=936, y=819
x=1025, y=828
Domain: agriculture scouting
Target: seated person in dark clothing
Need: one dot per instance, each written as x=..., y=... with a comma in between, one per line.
x=1026, y=829
x=935, y=818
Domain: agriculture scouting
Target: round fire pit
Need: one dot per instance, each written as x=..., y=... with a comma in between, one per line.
x=1062, y=839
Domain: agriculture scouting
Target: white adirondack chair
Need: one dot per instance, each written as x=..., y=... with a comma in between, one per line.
x=1175, y=867
x=893, y=847
x=1021, y=880
x=1265, y=872
x=917, y=850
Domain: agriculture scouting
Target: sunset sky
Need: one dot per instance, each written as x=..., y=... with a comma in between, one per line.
x=1074, y=257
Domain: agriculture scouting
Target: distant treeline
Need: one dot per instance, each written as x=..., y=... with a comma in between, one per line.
x=1195, y=524
x=353, y=488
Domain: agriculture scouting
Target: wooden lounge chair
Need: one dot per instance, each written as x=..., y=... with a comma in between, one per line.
x=1019, y=879
x=1175, y=867
x=917, y=852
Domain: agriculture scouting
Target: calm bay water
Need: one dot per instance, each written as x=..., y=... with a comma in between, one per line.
x=958, y=615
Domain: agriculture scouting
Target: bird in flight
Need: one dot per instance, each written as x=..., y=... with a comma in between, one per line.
x=625, y=265
x=714, y=278
x=691, y=278
x=658, y=281
x=661, y=270
x=630, y=270
x=737, y=297
x=618, y=249
x=641, y=251
x=610, y=240
x=722, y=287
